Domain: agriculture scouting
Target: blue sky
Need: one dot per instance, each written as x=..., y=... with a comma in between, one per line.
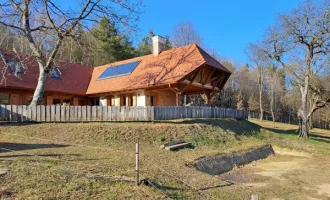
x=226, y=26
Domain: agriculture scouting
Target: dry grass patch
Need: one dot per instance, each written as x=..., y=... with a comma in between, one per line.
x=97, y=161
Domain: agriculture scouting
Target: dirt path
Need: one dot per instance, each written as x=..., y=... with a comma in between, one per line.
x=289, y=174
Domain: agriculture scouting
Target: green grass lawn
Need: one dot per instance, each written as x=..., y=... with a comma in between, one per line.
x=97, y=161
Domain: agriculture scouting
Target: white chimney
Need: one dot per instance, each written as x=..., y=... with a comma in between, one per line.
x=157, y=44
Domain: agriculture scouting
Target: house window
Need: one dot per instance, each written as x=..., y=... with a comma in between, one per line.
x=66, y=102
x=55, y=73
x=4, y=98
x=56, y=101
x=15, y=67
x=152, y=100
x=124, y=100
x=81, y=102
x=131, y=101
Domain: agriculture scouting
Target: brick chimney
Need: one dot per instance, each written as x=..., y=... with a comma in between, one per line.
x=157, y=44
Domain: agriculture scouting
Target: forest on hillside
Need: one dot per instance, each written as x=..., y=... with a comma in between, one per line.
x=287, y=76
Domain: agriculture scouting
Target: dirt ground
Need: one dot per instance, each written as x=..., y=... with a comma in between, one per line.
x=289, y=174
x=97, y=161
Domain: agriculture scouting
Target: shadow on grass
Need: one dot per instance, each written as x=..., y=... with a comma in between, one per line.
x=217, y=186
x=8, y=147
x=41, y=155
x=163, y=187
x=18, y=123
x=294, y=132
x=286, y=132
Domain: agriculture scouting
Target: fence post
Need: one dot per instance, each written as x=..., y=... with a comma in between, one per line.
x=137, y=163
x=254, y=197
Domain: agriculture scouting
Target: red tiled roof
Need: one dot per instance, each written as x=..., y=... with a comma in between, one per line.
x=74, y=78
x=168, y=67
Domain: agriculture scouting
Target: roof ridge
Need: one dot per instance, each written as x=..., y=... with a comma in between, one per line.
x=203, y=53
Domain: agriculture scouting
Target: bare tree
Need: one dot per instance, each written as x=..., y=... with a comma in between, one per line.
x=261, y=61
x=44, y=24
x=300, y=43
x=274, y=80
x=185, y=34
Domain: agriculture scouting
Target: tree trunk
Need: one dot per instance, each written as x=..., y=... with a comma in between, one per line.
x=304, y=113
x=311, y=122
x=39, y=92
x=260, y=103
x=260, y=83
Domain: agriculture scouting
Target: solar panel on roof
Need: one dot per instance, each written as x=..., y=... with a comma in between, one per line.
x=119, y=70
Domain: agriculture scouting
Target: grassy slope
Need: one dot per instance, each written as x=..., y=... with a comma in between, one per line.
x=80, y=172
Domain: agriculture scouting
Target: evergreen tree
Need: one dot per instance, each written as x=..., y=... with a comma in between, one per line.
x=110, y=41
x=145, y=46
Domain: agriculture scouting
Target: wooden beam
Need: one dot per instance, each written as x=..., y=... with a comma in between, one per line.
x=199, y=85
x=192, y=80
x=208, y=78
x=220, y=79
x=214, y=78
x=195, y=70
x=177, y=98
x=202, y=73
x=223, y=82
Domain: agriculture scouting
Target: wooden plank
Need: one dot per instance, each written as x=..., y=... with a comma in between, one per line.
x=3, y=113
x=52, y=116
x=62, y=114
x=108, y=114
x=19, y=113
x=99, y=113
x=38, y=113
x=58, y=113
x=78, y=113
x=178, y=146
x=84, y=113
x=72, y=114
x=67, y=113
x=29, y=113
x=48, y=113
x=33, y=113
x=24, y=113
x=93, y=113
x=171, y=143
x=42, y=113
x=14, y=113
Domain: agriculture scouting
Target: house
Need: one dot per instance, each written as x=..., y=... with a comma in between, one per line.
x=158, y=79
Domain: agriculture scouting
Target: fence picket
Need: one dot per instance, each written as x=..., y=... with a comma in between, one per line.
x=113, y=113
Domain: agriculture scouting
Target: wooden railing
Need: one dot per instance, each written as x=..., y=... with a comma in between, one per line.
x=52, y=113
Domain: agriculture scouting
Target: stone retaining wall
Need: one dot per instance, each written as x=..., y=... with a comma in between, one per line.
x=225, y=162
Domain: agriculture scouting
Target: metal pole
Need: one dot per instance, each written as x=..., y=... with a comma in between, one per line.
x=137, y=163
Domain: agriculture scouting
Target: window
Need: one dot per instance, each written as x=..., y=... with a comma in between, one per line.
x=66, y=102
x=119, y=70
x=15, y=67
x=124, y=100
x=55, y=73
x=4, y=98
x=131, y=101
x=81, y=102
x=152, y=100
x=56, y=101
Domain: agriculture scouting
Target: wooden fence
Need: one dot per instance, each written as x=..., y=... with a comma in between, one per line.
x=52, y=113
